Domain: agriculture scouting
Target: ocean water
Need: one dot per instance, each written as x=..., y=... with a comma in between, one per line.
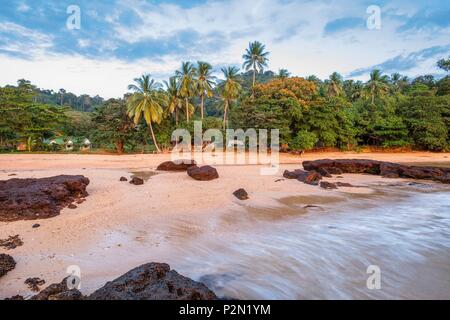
x=323, y=251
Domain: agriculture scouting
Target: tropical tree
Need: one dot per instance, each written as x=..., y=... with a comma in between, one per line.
x=444, y=64
x=354, y=90
x=186, y=82
x=255, y=58
x=283, y=74
x=335, y=84
x=146, y=101
x=204, y=83
x=61, y=92
x=395, y=82
x=174, y=100
x=377, y=84
x=229, y=89
x=113, y=125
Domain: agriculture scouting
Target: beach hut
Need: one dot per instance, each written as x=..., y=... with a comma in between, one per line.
x=69, y=145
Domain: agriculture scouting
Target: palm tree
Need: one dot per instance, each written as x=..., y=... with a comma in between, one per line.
x=61, y=92
x=186, y=82
x=335, y=84
x=147, y=101
x=205, y=82
x=357, y=91
x=255, y=58
x=377, y=84
x=283, y=74
x=174, y=101
x=229, y=89
x=395, y=82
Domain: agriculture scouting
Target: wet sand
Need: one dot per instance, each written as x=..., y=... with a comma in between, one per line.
x=121, y=226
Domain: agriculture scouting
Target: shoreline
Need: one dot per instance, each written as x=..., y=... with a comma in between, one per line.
x=146, y=221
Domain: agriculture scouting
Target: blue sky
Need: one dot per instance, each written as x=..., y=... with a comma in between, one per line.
x=120, y=40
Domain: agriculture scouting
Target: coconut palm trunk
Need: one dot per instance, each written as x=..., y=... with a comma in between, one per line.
x=154, y=138
x=202, y=102
x=186, y=100
x=373, y=95
x=254, y=75
x=225, y=115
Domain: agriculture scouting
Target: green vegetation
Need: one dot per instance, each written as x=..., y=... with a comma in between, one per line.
x=386, y=111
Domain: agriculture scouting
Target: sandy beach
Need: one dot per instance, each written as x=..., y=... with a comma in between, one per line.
x=121, y=226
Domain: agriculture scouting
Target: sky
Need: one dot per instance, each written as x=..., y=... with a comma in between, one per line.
x=118, y=41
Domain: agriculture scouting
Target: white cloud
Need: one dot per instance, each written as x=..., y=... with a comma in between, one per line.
x=80, y=75
x=291, y=30
x=24, y=40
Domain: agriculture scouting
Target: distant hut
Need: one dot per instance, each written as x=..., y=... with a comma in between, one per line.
x=69, y=145
x=22, y=146
x=86, y=145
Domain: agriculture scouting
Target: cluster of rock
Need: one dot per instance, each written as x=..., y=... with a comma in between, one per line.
x=34, y=283
x=29, y=199
x=204, y=173
x=11, y=242
x=385, y=169
x=7, y=264
x=152, y=281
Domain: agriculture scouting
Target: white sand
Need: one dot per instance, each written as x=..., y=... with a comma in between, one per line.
x=121, y=226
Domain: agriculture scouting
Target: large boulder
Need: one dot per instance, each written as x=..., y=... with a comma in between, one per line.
x=28, y=199
x=153, y=281
x=205, y=173
x=344, y=166
x=293, y=174
x=7, y=264
x=178, y=165
x=385, y=169
x=312, y=177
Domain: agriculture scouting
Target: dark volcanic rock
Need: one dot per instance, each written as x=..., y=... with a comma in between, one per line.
x=7, y=264
x=11, y=243
x=123, y=179
x=386, y=169
x=153, y=281
x=205, y=173
x=34, y=283
x=241, y=194
x=58, y=291
x=29, y=199
x=293, y=174
x=344, y=166
x=324, y=173
x=137, y=181
x=328, y=185
x=36, y=225
x=312, y=178
x=179, y=165
x=72, y=206
x=16, y=297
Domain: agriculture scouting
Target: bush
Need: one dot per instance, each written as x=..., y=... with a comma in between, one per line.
x=304, y=140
